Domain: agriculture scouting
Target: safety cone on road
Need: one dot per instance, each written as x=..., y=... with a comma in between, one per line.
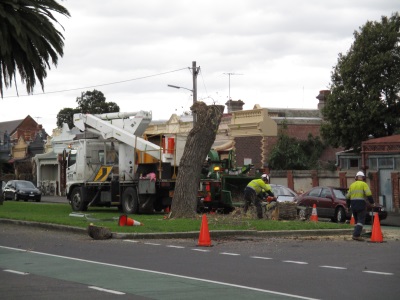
x=352, y=220
x=204, y=237
x=125, y=221
x=314, y=215
x=376, y=236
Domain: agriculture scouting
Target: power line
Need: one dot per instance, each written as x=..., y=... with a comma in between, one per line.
x=98, y=85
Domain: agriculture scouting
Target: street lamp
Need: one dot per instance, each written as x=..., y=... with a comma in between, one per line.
x=179, y=87
x=194, y=90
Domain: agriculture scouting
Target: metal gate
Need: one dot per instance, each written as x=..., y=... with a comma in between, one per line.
x=385, y=188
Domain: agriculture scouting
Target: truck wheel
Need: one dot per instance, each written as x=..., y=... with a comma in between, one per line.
x=77, y=203
x=130, y=204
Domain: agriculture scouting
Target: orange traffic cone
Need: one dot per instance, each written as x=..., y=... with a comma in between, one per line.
x=376, y=236
x=314, y=216
x=352, y=220
x=204, y=237
x=125, y=221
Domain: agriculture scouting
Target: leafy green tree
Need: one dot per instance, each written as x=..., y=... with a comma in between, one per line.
x=29, y=40
x=290, y=153
x=66, y=116
x=365, y=87
x=93, y=102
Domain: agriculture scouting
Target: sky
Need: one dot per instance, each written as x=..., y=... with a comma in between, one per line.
x=278, y=54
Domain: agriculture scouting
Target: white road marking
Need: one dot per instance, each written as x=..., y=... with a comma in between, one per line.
x=379, y=273
x=152, y=244
x=295, y=262
x=164, y=273
x=131, y=241
x=260, y=257
x=227, y=253
x=201, y=250
x=172, y=246
x=333, y=267
x=16, y=272
x=105, y=290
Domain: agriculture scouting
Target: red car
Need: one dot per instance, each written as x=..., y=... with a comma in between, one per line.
x=331, y=203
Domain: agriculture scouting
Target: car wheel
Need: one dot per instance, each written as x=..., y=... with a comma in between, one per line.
x=130, y=203
x=340, y=215
x=77, y=203
x=303, y=214
x=38, y=199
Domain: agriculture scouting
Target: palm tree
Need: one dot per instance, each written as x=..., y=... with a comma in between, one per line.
x=29, y=40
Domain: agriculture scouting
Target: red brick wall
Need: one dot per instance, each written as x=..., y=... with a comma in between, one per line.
x=396, y=191
x=374, y=186
x=249, y=147
x=301, y=131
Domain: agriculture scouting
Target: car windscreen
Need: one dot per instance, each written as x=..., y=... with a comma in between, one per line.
x=281, y=191
x=25, y=184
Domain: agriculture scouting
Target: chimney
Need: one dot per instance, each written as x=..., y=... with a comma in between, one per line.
x=322, y=97
x=234, y=105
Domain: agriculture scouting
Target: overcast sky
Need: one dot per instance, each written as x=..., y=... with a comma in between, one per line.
x=278, y=53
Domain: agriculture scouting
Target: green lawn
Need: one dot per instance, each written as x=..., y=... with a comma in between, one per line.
x=108, y=217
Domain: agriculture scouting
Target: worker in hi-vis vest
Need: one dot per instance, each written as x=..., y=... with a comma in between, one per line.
x=359, y=192
x=254, y=191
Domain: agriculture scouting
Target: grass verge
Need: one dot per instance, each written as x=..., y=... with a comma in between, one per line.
x=108, y=217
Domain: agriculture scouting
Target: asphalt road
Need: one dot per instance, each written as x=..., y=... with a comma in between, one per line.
x=42, y=264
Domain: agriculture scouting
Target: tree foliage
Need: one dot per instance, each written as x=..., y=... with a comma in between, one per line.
x=66, y=116
x=93, y=102
x=290, y=153
x=29, y=40
x=365, y=87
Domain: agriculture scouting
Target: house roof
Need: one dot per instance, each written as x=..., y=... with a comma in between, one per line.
x=10, y=126
x=386, y=139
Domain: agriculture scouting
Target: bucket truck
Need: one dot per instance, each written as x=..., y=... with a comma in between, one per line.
x=104, y=167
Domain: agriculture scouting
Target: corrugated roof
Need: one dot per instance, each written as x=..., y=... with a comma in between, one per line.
x=385, y=139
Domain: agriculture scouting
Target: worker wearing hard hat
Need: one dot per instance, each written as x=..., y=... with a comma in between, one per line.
x=359, y=192
x=254, y=191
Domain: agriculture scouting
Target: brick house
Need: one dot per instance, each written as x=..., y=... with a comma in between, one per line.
x=20, y=140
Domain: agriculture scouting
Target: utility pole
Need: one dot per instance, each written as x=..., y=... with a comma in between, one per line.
x=195, y=72
x=229, y=74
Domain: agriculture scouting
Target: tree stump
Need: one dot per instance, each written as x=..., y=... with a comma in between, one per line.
x=99, y=233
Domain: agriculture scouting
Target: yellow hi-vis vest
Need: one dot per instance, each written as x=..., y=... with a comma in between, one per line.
x=358, y=190
x=258, y=185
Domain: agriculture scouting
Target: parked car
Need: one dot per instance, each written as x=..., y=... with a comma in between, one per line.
x=283, y=193
x=331, y=203
x=21, y=189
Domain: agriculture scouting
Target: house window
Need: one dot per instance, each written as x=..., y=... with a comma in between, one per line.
x=349, y=163
x=353, y=162
x=373, y=163
x=397, y=163
x=386, y=163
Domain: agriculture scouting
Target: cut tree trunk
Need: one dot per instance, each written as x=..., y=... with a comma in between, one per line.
x=198, y=144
